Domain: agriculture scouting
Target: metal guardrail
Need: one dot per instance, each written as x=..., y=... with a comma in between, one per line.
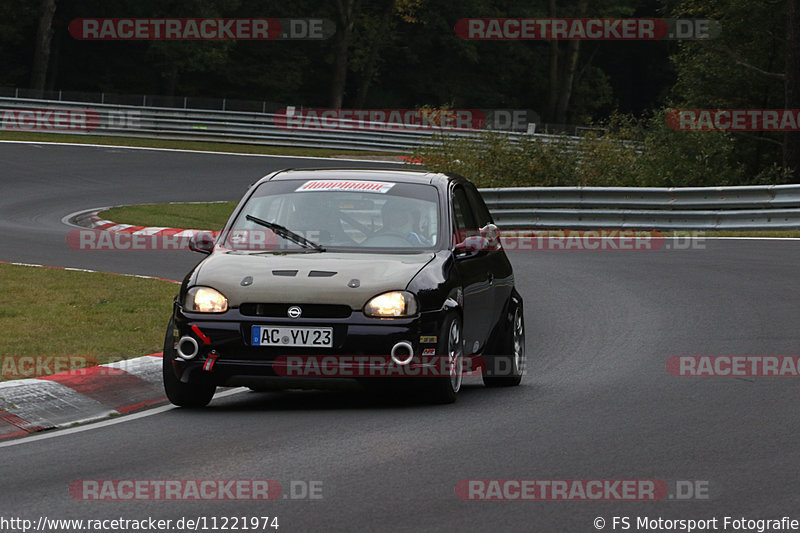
x=143, y=100
x=750, y=207
x=767, y=207
x=227, y=104
x=233, y=126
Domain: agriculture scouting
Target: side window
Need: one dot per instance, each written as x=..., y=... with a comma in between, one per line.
x=463, y=219
x=482, y=215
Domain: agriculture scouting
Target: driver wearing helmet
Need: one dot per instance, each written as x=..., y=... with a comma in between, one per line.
x=401, y=219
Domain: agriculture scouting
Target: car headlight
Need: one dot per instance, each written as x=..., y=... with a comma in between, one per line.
x=392, y=304
x=205, y=300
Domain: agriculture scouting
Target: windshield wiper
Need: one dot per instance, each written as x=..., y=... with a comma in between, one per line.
x=287, y=233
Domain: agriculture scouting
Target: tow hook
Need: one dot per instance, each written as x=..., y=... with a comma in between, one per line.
x=210, y=360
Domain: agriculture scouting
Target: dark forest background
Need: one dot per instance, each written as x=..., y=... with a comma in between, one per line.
x=405, y=54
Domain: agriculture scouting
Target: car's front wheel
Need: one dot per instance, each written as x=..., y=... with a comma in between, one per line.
x=451, y=347
x=509, y=365
x=179, y=393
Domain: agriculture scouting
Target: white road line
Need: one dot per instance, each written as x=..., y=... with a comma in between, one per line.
x=183, y=150
x=74, y=269
x=96, y=425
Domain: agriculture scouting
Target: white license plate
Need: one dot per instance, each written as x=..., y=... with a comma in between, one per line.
x=289, y=336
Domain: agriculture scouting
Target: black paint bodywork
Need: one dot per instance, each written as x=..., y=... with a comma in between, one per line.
x=476, y=285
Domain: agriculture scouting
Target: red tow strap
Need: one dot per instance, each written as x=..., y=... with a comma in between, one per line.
x=210, y=360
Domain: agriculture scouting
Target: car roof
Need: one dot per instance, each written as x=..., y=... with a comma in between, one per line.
x=400, y=176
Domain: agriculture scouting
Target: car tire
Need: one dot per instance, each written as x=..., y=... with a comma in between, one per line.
x=451, y=343
x=511, y=352
x=179, y=393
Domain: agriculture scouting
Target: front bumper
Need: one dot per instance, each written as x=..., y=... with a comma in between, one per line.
x=361, y=348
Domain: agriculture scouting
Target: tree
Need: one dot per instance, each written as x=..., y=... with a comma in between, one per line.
x=752, y=64
x=791, y=139
x=44, y=36
x=346, y=11
x=176, y=58
x=566, y=66
x=562, y=73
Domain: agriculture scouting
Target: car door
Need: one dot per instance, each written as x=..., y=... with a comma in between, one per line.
x=501, y=275
x=474, y=273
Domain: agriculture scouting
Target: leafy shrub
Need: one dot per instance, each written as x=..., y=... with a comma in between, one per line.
x=629, y=152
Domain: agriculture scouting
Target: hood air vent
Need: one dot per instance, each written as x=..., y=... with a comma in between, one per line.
x=321, y=274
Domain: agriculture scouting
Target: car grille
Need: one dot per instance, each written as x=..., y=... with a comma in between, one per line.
x=282, y=310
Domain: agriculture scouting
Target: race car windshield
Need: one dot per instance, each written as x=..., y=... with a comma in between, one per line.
x=286, y=233
x=337, y=214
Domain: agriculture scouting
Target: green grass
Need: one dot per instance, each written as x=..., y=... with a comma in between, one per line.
x=185, y=145
x=211, y=216
x=67, y=313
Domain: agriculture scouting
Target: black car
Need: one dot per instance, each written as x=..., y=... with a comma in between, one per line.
x=324, y=278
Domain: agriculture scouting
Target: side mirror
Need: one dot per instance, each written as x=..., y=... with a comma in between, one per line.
x=485, y=239
x=492, y=235
x=202, y=242
x=473, y=243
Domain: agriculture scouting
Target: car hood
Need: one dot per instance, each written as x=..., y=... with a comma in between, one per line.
x=307, y=277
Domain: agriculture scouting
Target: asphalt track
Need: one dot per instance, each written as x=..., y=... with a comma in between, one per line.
x=597, y=402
